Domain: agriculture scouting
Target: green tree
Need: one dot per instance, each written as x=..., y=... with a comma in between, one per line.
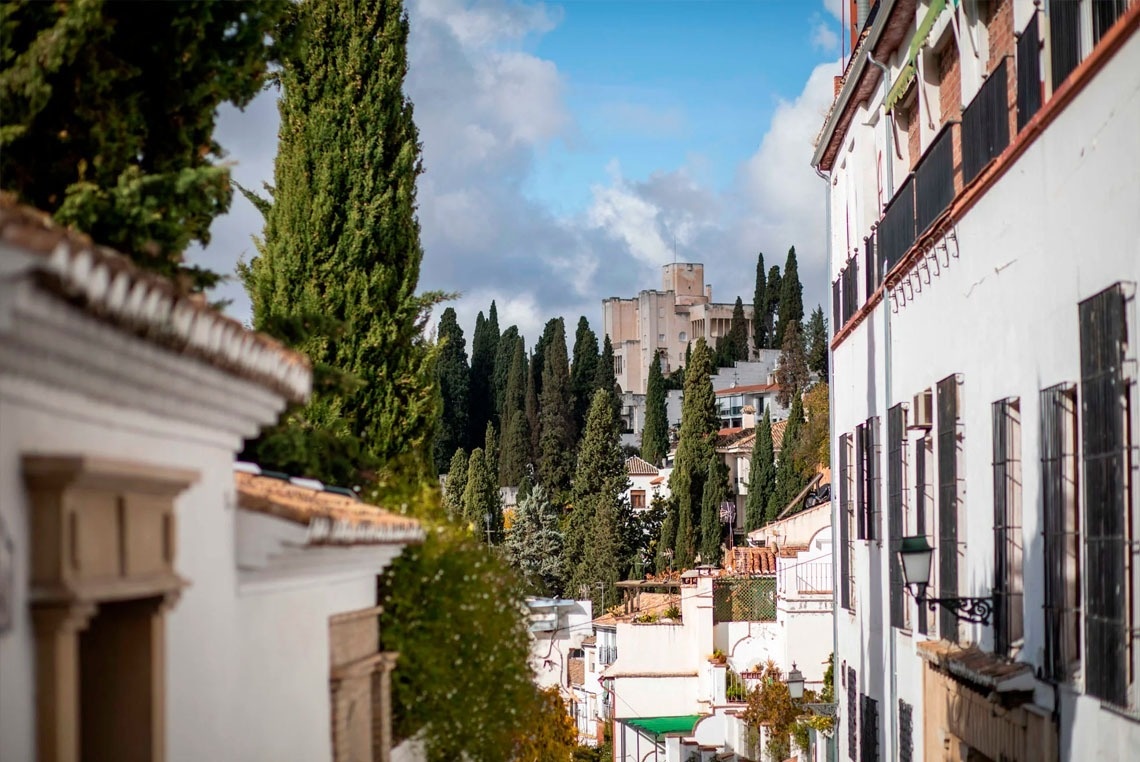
x=695, y=446
x=771, y=706
x=337, y=271
x=761, y=475
x=491, y=451
x=792, y=368
x=537, y=367
x=813, y=442
x=455, y=487
x=774, y=285
x=655, y=433
x=534, y=543
x=760, y=306
x=715, y=492
x=789, y=478
x=504, y=355
x=667, y=542
x=558, y=437
x=817, y=343
x=532, y=408
x=583, y=371
x=516, y=428
x=106, y=130
x=791, y=308
x=484, y=348
x=738, y=333
x=481, y=498
x=452, y=374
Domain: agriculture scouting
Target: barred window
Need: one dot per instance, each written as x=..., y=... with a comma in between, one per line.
x=1009, y=620
x=906, y=732
x=923, y=504
x=867, y=475
x=869, y=732
x=896, y=514
x=846, y=598
x=852, y=716
x=1061, y=520
x=1106, y=451
x=948, y=502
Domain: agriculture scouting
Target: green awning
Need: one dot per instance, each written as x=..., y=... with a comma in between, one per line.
x=906, y=76
x=659, y=726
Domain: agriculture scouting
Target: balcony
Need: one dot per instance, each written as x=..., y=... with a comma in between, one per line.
x=896, y=231
x=934, y=179
x=985, y=124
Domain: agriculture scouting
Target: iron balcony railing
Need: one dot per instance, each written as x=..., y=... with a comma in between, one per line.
x=850, y=278
x=1028, y=73
x=870, y=272
x=985, y=124
x=1064, y=39
x=934, y=179
x=896, y=231
x=836, y=304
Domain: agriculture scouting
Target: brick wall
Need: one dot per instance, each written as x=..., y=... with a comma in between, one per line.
x=999, y=28
x=950, y=101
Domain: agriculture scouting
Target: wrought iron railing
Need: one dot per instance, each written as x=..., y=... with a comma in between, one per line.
x=837, y=304
x=850, y=277
x=934, y=179
x=896, y=231
x=985, y=123
x=1028, y=73
x=1064, y=39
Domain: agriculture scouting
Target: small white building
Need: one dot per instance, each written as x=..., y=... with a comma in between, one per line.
x=557, y=628
x=646, y=483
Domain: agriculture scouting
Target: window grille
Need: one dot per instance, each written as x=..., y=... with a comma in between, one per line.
x=985, y=123
x=948, y=503
x=896, y=231
x=869, y=738
x=845, y=597
x=837, y=313
x=852, y=716
x=921, y=505
x=896, y=486
x=1028, y=73
x=1062, y=531
x=1064, y=38
x=1008, y=617
x=906, y=732
x=869, y=283
x=868, y=474
x=1105, y=453
x=850, y=277
x=934, y=179
x=861, y=481
x=749, y=599
x=1105, y=13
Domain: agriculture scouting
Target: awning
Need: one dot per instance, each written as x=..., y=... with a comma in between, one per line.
x=906, y=76
x=659, y=726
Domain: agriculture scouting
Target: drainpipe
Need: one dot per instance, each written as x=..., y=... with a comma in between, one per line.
x=889, y=392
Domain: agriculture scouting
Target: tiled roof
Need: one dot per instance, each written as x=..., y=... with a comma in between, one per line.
x=974, y=665
x=332, y=516
x=635, y=466
x=577, y=670
x=751, y=561
x=748, y=389
x=110, y=287
x=778, y=433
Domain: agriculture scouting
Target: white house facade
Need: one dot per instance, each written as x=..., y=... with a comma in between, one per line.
x=981, y=165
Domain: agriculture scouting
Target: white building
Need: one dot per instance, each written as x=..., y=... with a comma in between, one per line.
x=557, y=628
x=153, y=604
x=646, y=483
x=983, y=189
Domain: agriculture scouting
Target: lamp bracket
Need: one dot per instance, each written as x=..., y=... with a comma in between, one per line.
x=823, y=710
x=977, y=610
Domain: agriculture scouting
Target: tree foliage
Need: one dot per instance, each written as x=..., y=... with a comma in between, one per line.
x=583, y=371
x=481, y=497
x=453, y=377
x=504, y=355
x=817, y=343
x=534, y=543
x=696, y=445
x=791, y=309
x=790, y=479
x=715, y=492
x=484, y=348
x=738, y=333
x=760, y=328
x=655, y=433
x=550, y=735
x=337, y=271
x=455, y=488
x=105, y=129
x=761, y=474
x=774, y=284
x=516, y=428
x=770, y=705
x=558, y=437
x=792, y=373
x=813, y=442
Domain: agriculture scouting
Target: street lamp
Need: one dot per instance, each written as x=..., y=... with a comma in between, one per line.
x=487, y=518
x=795, y=683
x=915, y=556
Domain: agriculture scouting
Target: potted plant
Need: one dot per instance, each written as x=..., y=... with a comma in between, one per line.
x=718, y=657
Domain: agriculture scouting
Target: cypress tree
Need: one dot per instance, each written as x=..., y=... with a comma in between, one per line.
x=481, y=497
x=557, y=439
x=761, y=475
x=112, y=134
x=337, y=271
x=537, y=366
x=695, y=447
x=715, y=492
x=532, y=408
x=791, y=298
x=817, y=343
x=516, y=430
x=583, y=371
x=760, y=306
x=667, y=543
x=452, y=374
x=491, y=451
x=456, y=485
x=504, y=355
x=606, y=380
x=738, y=333
x=789, y=479
x=792, y=369
x=484, y=346
x=774, y=282
x=655, y=434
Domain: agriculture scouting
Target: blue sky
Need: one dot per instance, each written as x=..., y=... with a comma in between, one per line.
x=567, y=145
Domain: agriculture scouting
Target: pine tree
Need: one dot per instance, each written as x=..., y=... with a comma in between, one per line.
x=760, y=306
x=558, y=437
x=715, y=492
x=792, y=369
x=504, y=355
x=774, y=284
x=791, y=298
x=516, y=429
x=789, y=479
x=817, y=343
x=655, y=434
x=534, y=543
x=337, y=271
x=695, y=447
x=583, y=371
x=484, y=347
x=453, y=375
x=456, y=486
x=761, y=475
x=106, y=130
x=738, y=333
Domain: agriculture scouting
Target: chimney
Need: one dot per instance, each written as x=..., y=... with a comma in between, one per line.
x=708, y=292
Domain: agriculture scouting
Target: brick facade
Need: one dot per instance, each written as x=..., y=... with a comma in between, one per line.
x=1003, y=43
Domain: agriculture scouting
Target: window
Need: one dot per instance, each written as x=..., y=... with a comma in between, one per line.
x=896, y=513
x=869, y=739
x=906, y=732
x=1106, y=451
x=660, y=338
x=637, y=499
x=1073, y=25
x=1062, y=531
x=846, y=582
x=852, y=716
x=682, y=336
x=617, y=364
x=948, y=499
x=867, y=478
x=1009, y=621
x=923, y=500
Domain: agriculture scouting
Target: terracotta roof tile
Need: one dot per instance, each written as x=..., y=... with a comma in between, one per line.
x=756, y=561
x=748, y=389
x=974, y=665
x=577, y=670
x=332, y=518
x=635, y=466
x=110, y=287
x=778, y=433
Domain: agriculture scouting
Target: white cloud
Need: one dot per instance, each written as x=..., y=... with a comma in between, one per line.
x=837, y=8
x=824, y=38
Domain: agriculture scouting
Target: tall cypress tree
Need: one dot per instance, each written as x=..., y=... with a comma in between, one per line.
x=504, y=355
x=789, y=479
x=792, y=368
x=817, y=343
x=696, y=446
x=537, y=366
x=655, y=434
x=484, y=346
x=516, y=429
x=761, y=475
x=738, y=333
x=453, y=376
x=760, y=306
x=791, y=298
x=583, y=371
x=337, y=271
x=715, y=492
x=774, y=282
x=456, y=485
x=558, y=438
x=605, y=379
